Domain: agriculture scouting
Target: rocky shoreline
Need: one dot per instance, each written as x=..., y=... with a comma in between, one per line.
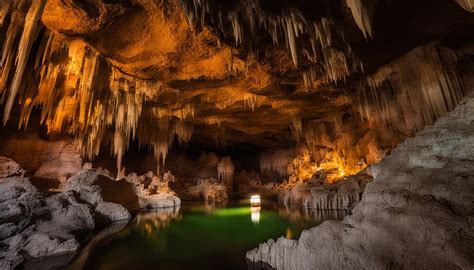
x=36, y=225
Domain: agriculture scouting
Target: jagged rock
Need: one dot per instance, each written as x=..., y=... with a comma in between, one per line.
x=92, y=187
x=413, y=215
x=70, y=214
x=156, y=194
x=41, y=244
x=9, y=168
x=7, y=230
x=38, y=226
x=84, y=184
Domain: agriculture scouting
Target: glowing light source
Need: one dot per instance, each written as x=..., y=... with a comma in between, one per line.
x=255, y=214
x=255, y=201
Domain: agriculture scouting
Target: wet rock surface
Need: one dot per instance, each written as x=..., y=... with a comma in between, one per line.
x=417, y=213
x=32, y=226
x=36, y=225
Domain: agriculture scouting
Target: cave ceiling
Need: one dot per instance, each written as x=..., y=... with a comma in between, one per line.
x=215, y=72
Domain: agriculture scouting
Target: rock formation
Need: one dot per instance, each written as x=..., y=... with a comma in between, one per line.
x=35, y=225
x=100, y=79
x=113, y=106
x=417, y=213
x=341, y=195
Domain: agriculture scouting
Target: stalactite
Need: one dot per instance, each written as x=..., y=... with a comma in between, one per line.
x=362, y=17
x=4, y=10
x=27, y=38
x=276, y=161
x=225, y=171
x=251, y=101
x=336, y=65
x=188, y=111
x=468, y=5
x=214, y=120
x=236, y=28
x=296, y=127
x=291, y=41
x=183, y=131
x=298, y=33
x=17, y=20
x=387, y=98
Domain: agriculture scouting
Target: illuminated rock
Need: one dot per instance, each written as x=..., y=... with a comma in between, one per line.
x=412, y=215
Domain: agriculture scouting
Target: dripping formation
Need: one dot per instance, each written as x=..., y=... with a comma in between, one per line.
x=93, y=96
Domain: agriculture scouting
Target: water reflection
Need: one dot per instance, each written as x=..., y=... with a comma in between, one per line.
x=296, y=214
x=255, y=214
x=216, y=236
x=157, y=219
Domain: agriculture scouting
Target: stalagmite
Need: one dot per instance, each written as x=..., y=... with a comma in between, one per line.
x=119, y=149
x=26, y=41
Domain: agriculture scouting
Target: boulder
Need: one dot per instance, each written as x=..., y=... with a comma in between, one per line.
x=69, y=213
x=105, y=195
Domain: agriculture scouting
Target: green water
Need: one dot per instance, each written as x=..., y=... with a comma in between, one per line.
x=196, y=237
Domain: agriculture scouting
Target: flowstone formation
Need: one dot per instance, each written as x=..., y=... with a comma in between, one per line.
x=417, y=213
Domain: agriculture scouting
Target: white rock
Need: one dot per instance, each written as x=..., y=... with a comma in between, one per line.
x=159, y=200
x=416, y=214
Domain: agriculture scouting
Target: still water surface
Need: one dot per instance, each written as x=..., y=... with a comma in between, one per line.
x=195, y=236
